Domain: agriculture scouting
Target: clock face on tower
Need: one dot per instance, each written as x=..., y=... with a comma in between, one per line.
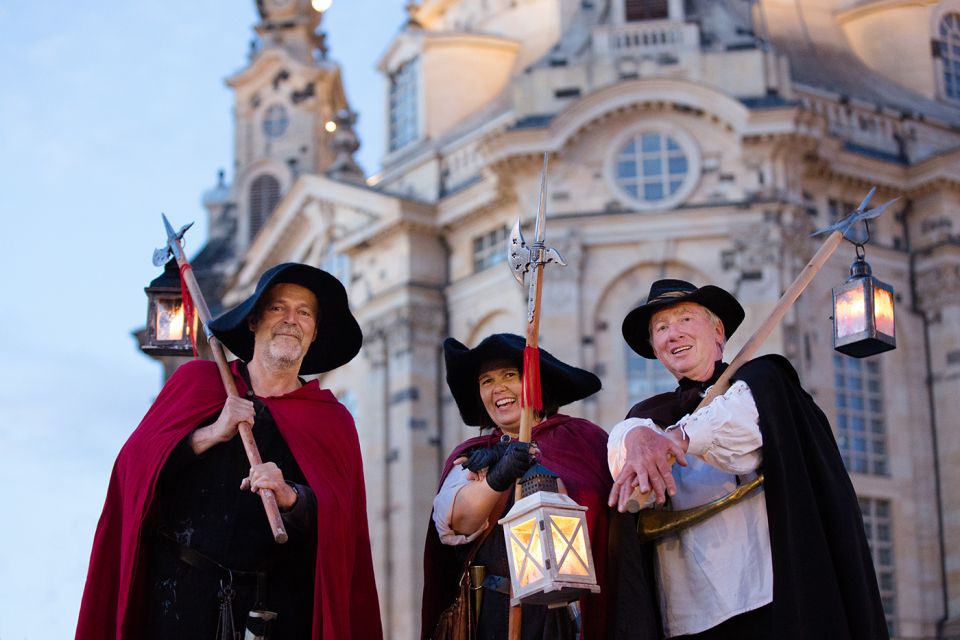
x=275, y=121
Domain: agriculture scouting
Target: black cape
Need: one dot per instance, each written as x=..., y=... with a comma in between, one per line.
x=824, y=584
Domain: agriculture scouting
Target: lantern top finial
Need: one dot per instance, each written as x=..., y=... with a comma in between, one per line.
x=538, y=478
x=860, y=268
x=168, y=279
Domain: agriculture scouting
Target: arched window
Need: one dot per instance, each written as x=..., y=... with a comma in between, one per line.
x=264, y=196
x=646, y=378
x=949, y=51
x=636, y=10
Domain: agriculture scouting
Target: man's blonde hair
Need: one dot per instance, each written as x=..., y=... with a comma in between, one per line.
x=717, y=322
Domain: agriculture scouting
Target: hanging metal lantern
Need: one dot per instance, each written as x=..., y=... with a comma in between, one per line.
x=168, y=330
x=548, y=545
x=863, y=320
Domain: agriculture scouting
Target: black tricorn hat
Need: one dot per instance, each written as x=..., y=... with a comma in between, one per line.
x=338, y=335
x=665, y=293
x=561, y=382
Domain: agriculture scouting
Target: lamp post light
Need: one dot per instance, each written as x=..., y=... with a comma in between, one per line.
x=548, y=545
x=169, y=332
x=863, y=320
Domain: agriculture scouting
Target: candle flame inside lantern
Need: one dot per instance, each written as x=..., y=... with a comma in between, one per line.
x=850, y=313
x=883, y=310
x=527, y=545
x=569, y=546
x=169, y=320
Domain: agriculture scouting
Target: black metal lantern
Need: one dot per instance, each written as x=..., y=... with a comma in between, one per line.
x=169, y=332
x=863, y=320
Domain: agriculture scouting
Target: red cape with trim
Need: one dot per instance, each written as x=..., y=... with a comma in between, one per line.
x=322, y=437
x=574, y=449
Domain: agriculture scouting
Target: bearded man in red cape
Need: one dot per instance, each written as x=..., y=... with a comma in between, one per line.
x=183, y=548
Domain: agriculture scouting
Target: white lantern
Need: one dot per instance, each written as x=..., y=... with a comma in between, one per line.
x=548, y=547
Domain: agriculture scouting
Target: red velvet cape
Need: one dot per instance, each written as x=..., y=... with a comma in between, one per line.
x=323, y=439
x=576, y=450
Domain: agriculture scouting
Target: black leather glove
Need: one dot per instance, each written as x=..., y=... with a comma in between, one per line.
x=512, y=465
x=486, y=457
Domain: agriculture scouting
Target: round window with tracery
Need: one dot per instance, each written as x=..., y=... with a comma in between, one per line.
x=653, y=168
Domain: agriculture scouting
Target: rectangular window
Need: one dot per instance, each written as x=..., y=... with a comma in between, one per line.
x=403, y=105
x=337, y=265
x=490, y=248
x=859, y=403
x=646, y=378
x=878, y=524
x=636, y=10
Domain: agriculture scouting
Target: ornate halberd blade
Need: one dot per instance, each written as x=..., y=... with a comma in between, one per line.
x=844, y=224
x=518, y=254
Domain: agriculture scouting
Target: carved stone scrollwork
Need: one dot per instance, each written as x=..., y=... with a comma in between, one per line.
x=753, y=248
x=796, y=243
x=345, y=143
x=938, y=287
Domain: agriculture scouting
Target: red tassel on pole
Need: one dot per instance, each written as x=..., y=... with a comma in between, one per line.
x=531, y=378
x=187, y=309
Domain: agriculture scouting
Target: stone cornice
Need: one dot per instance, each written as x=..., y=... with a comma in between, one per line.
x=365, y=238
x=835, y=162
x=275, y=57
x=637, y=95
x=863, y=9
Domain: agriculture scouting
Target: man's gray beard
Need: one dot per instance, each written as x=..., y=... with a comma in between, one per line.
x=280, y=359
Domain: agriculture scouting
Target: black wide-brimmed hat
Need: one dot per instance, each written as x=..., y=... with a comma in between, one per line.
x=561, y=382
x=338, y=335
x=665, y=293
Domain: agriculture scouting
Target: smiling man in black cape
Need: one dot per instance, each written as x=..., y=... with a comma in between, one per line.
x=790, y=560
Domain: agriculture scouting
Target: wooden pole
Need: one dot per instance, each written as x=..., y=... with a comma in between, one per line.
x=245, y=428
x=528, y=418
x=749, y=349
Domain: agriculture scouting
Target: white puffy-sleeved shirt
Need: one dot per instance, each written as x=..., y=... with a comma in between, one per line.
x=720, y=567
x=443, y=507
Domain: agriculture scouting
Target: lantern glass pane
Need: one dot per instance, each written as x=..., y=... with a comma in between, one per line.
x=883, y=310
x=850, y=313
x=569, y=545
x=169, y=319
x=527, y=551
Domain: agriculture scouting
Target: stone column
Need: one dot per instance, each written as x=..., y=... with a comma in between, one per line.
x=404, y=346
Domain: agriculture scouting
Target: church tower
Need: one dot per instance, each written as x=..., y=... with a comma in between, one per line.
x=289, y=103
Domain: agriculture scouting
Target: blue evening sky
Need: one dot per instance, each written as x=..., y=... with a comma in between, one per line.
x=110, y=112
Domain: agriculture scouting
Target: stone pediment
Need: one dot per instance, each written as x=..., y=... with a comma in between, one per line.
x=318, y=216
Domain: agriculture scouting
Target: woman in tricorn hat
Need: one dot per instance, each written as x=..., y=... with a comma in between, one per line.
x=486, y=383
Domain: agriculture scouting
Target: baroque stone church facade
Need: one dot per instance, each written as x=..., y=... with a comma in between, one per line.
x=695, y=139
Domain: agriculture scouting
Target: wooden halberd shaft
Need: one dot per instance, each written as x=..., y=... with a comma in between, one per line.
x=245, y=429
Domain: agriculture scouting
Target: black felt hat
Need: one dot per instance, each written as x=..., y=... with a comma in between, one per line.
x=338, y=335
x=561, y=382
x=665, y=293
